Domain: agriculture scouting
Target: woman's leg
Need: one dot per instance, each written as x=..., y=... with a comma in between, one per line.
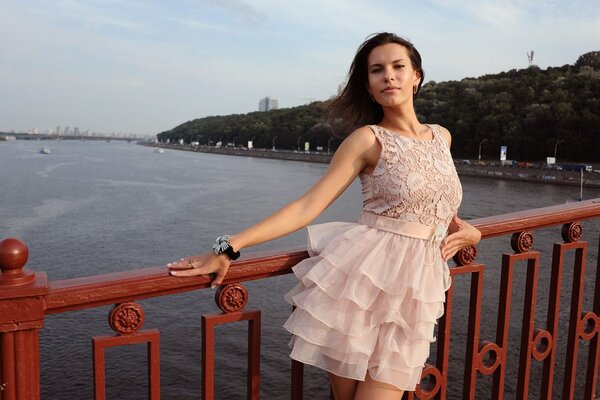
x=371, y=389
x=343, y=388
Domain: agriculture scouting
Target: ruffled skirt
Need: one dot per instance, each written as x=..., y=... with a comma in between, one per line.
x=368, y=299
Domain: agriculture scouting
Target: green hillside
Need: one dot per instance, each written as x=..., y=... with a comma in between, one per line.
x=528, y=110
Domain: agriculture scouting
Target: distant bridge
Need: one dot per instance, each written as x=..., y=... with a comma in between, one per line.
x=30, y=136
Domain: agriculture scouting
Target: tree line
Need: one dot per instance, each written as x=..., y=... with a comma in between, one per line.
x=533, y=112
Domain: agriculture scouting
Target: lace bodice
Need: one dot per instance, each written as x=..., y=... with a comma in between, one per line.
x=414, y=180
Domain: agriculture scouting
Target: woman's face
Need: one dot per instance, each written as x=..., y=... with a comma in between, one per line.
x=391, y=77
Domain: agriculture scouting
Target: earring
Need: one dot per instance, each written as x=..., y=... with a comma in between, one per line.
x=415, y=89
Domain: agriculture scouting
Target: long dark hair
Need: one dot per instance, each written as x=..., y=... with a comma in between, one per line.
x=353, y=107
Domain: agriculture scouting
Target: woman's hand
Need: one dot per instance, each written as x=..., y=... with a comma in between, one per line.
x=462, y=234
x=205, y=264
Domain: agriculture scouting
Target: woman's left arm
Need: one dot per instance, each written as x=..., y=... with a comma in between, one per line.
x=460, y=234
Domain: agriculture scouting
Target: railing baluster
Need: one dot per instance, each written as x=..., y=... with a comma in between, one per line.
x=126, y=319
x=502, y=328
x=528, y=327
x=231, y=299
x=8, y=378
x=552, y=321
x=21, y=317
x=594, y=351
x=209, y=322
x=297, y=380
x=473, y=331
x=574, y=319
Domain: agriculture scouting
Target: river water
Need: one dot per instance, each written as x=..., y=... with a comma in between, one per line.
x=95, y=207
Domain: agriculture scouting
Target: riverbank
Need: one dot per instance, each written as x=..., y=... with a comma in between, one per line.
x=319, y=157
x=536, y=175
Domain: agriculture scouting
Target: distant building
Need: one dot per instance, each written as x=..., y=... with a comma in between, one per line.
x=4, y=138
x=267, y=104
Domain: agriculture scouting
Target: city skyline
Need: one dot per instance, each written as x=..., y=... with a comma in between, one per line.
x=145, y=67
x=75, y=131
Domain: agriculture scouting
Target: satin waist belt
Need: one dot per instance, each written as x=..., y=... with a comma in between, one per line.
x=405, y=228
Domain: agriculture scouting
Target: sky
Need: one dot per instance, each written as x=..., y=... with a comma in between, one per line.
x=142, y=67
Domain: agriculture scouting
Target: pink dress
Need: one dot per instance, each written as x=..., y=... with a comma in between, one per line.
x=369, y=296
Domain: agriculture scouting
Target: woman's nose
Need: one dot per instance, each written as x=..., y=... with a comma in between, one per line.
x=388, y=75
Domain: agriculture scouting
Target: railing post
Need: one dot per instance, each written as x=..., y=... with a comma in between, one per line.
x=21, y=316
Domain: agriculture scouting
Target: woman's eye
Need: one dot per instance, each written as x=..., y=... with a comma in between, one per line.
x=399, y=66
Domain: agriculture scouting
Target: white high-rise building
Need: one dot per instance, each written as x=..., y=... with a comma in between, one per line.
x=267, y=104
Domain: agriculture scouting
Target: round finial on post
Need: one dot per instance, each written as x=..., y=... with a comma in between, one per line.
x=13, y=257
x=231, y=297
x=521, y=242
x=572, y=232
x=465, y=256
x=126, y=318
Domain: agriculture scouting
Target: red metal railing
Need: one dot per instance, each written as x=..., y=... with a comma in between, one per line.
x=27, y=297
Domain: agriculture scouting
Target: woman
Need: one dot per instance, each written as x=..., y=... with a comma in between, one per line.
x=370, y=294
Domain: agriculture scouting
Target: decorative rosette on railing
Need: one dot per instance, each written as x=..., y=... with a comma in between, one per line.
x=126, y=318
x=521, y=242
x=231, y=297
x=465, y=256
x=589, y=325
x=572, y=232
x=542, y=344
x=431, y=383
x=489, y=357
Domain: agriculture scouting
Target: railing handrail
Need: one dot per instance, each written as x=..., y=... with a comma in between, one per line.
x=537, y=218
x=93, y=291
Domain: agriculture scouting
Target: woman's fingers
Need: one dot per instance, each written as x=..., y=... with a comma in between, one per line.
x=186, y=272
x=448, y=250
x=189, y=262
x=204, y=265
x=456, y=241
x=221, y=272
x=182, y=264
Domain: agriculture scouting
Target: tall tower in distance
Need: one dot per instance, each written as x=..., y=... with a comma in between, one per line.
x=267, y=104
x=530, y=57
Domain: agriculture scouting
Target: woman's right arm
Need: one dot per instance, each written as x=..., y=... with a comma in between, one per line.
x=358, y=151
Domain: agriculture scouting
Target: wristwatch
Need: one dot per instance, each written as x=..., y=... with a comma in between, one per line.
x=222, y=246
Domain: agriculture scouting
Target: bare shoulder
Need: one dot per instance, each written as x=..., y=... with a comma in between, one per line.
x=446, y=134
x=359, y=142
x=362, y=136
x=361, y=148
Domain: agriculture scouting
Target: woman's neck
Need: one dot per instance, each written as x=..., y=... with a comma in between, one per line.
x=404, y=121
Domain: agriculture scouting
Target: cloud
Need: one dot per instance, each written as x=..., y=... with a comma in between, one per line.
x=131, y=65
x=197, y=24
x=241, y=8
